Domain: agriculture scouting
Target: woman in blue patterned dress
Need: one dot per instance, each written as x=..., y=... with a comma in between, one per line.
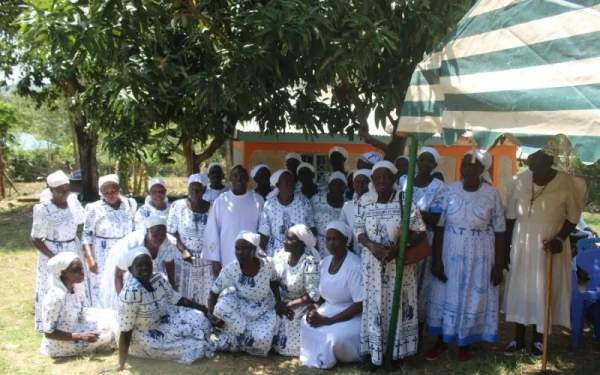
x=156, y=204
x=187, y=222
x=428, y=194
x=243, y=299
x=106, y=221
x=282, y=211
x=297, y=267
x=54, y=231
x=327, y=207
x=468, y=260
x=157, y=322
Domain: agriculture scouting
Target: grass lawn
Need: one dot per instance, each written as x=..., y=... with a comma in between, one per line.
x=19, y=344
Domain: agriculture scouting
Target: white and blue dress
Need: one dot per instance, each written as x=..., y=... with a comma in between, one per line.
x=464, y=309
x=247, y=306
x=146, y=211
x=162, y=330
x=428, y=199
x=324, y=214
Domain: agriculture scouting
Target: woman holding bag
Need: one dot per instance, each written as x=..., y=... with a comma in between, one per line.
x=468, y=253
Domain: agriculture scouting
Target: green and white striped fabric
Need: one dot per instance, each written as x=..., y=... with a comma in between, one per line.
x=526, y=67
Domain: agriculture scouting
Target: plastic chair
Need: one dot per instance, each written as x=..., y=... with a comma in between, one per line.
x=588, y=244
x=589, y=261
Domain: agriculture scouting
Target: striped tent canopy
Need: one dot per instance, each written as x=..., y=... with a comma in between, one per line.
x=526, y=67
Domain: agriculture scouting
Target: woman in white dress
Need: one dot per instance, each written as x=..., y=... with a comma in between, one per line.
x=216, y=187
x=292, y=162
x=156, y=204
x=327, y=207
x=243, y=299
x=297, y=267
x=306, y=180
x=157, y=322
x=187, y=222
x=283, y=211
x=261, y=174
x=106, y=221
x=428, y=195
x=362, y=178
x=543, y=207
x=467, y=261
x=54, y=231
x=331, y=330
x=70, y=326
x=155, y=238
x=401, y=165
x=377, y=226
x=337, y=158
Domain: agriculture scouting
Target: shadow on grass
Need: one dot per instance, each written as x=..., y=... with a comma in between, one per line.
x=15, y=229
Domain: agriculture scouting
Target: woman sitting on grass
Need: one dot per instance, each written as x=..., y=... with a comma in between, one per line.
x=70, y=326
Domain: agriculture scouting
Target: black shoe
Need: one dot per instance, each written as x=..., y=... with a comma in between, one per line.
x=513, y=348
x=537, y=349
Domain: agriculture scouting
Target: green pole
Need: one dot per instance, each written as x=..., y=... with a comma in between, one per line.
x=412, y=161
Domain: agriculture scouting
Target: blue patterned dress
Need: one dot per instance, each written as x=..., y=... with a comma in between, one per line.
x=324, y=214
x=465, y=308
x=146, y=211
x=162, y=330
x=427, y=199
x=247, y=306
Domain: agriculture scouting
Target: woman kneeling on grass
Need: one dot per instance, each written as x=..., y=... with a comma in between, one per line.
x=155, y=321
x=70, y=326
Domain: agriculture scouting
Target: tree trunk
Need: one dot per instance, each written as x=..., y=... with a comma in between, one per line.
x=87, y=144
x=188, y=152
x=2, y=190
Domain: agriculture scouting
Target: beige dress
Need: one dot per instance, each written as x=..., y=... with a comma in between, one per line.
x=562, y=199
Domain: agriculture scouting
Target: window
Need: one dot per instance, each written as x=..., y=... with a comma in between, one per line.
x=319, y=161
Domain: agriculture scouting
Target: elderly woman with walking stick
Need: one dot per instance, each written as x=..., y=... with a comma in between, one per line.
x=543, y=207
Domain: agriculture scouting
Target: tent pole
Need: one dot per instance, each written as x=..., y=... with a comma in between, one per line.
x=412, y=161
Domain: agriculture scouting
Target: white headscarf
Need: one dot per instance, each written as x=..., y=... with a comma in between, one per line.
x=432, y=151
x=155, y=220
x=108, y=178
x=307, y=237
x=385, y=164
x=362, y=172
x=135, y=252
x=254, y=170
x=157, y=181
x=338, y=176
x=486, y=160
x=305, y=165
x=59, y=263
x=293, y=155
x=254, y=239
x=401, y=157
x=201, y=178
x=371, y=157
x=342, y=151
x=343, y=228
x=215, y=164
x=277, y=175
x=57, y=178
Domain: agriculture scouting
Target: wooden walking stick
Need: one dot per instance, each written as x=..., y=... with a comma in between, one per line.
x=547, y=309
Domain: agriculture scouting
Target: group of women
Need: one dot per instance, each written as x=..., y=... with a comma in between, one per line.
x=310, y=270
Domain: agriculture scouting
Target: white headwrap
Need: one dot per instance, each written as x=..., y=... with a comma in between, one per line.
x=307, y=237
x=340, y=150
x=362, y=172
x=343, y=228
x=385, y=164
x=254, y=170
x=57, y=178
x=59, y=263
x=337, y=176
x=108, y=178
x=201, y=178
x=157, y=181
x=371, y=157
x=254, y=239
x=277, y=175
x=401, y=157
x=486, y=160
x=432, y=151
x=215, y=164
x=305, y=165
x=155, y=220
x=293, y=155
x=135, y=252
